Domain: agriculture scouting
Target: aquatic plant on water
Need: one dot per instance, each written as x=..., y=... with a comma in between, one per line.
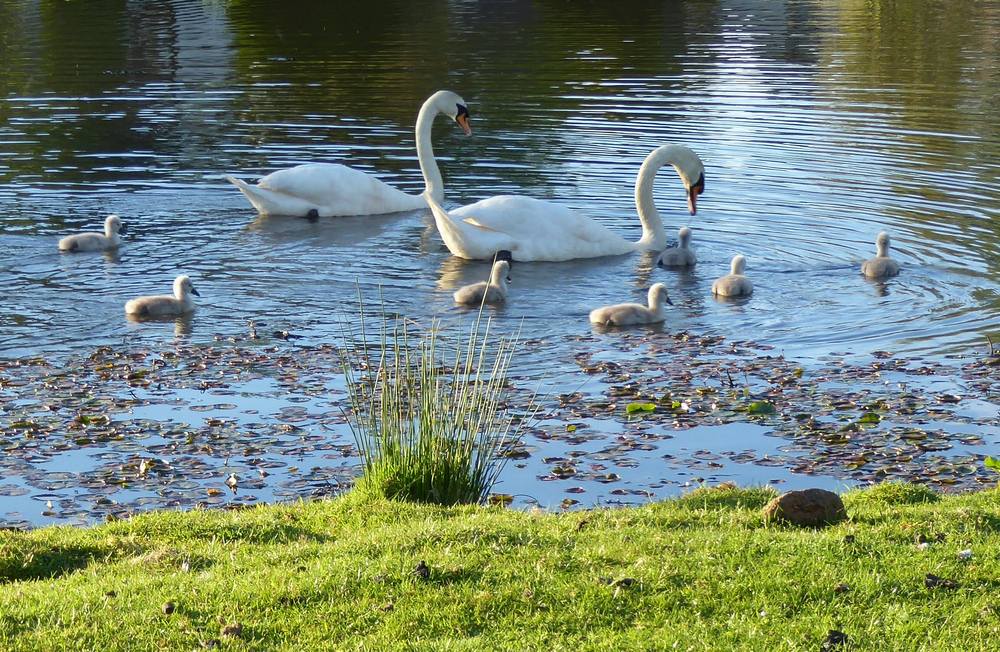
x=429, y=419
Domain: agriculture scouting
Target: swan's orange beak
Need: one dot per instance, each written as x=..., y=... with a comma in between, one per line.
x=463, y=121
x=693, y=193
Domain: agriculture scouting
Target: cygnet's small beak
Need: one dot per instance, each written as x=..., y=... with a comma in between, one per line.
x=510, y=280
x=195, y=292
x=667, y=299
x=122, y=228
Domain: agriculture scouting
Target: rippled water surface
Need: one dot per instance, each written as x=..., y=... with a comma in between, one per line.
x=820, y=123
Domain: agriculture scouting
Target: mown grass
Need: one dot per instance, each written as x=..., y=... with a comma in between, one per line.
x=704, y=572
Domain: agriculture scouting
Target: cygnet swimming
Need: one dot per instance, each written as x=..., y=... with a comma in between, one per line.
x=165, y=305
x=681, y=255
x=629, y=314
x=95, y=241
x=881, y=266
x=734, y=284
x=492, y=292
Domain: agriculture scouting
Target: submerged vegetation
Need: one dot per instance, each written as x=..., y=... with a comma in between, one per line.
x=127, y=429
x=429, y=426
x=910, y=570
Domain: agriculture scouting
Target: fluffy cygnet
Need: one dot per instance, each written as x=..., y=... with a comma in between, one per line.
x=493, y=291
x=734, y=284
x=95, y=241
x=629, y=314
x=165, y=305
x=881, y=266
x=681, y=255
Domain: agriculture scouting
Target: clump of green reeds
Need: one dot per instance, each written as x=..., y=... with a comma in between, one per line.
x=428, y=418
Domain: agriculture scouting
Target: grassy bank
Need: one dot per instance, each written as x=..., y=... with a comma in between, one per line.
x=701, y=572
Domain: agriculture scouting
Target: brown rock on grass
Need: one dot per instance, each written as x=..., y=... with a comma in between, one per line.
x=809, y=507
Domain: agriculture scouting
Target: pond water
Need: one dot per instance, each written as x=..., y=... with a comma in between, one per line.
x=820, y=124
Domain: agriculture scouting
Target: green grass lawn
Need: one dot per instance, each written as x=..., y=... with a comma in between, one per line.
x=697, y=573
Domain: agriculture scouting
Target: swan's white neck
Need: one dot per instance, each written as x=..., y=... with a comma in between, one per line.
x=653, y=235
x=882, y=249
x=433, y=183
x=738, y=266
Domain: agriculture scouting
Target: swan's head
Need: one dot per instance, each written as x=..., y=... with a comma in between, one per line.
x=113, y=224
x=739, y=265
x=882, y=243
x=658, y=295
x=505, y=254
x=454, y=107
x=688, y=165
x=183, y=287
x=684, y=236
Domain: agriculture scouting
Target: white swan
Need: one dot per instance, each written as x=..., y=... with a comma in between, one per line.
x=629, y=314
x=538, y=230
x=165, y=305
x=332, y=189
x=881, y=266
x=492, y=292
x=681, y=255
x=95, y=241
x=734, y=284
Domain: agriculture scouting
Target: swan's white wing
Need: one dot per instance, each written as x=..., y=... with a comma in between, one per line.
x=542, y=230
x=332, y=189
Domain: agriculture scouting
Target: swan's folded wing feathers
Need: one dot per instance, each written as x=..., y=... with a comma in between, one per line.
x=472, y=221
x=526, y=217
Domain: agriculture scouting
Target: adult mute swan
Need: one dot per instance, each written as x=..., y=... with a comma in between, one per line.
x=681, y=255
x=734, y=284
x=881, y=266
x=491, y=292
x=165, y=305
x=538, y=230
x=630, y=314
x=332, y=189
x=95, y=241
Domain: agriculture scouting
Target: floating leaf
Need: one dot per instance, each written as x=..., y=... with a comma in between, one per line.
x=761, y=407
x=632, y=408
x=992, y=463
x=870, y=417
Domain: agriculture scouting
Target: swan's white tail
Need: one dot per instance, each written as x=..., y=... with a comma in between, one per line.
x=269, y=202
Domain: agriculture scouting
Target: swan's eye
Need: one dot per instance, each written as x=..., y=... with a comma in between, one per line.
x=700, y=186
x=462, y=110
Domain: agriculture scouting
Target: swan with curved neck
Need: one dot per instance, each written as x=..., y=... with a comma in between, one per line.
x=331, y=189
x=734, y=284
x=630, y=314
x=535, y=230
x=881, y=266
